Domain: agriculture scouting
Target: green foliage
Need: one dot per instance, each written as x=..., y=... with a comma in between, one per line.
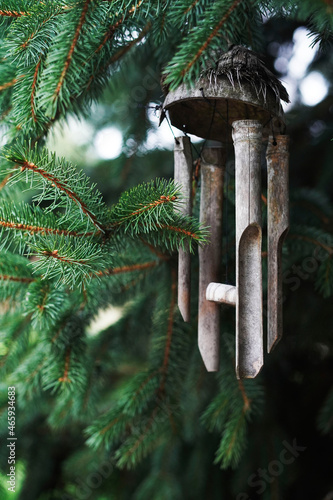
x=207, y=36
x=136, y=390
x=75, y=236
x=231, y=410
x=44, y=303
x=15, y=277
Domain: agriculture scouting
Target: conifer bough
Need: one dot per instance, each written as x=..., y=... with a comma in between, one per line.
x=66, y=254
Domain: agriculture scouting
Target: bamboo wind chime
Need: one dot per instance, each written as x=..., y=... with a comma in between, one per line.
x=240, y=100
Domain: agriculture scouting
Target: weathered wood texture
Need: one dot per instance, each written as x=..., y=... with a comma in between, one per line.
x=247, y=137
x=212, y=172
x=225, y=294
x=210, y=107
x=183, y=177
x=278, y=224
x=240, y=65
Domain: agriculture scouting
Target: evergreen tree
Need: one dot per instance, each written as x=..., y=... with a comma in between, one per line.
x=129, y=411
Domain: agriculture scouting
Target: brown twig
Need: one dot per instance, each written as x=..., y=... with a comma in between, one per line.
x=19, y=279
x=211, y=37
x=246, y=400
x=44, y=230
x=11, y=83
x=26, y=165
x=54, y=254
x=65, y=378
x=13, y=13
x=72, y=47
x=33, y=90
x=127, y=269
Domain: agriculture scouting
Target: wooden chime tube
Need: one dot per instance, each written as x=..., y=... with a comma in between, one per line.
x=278, y=224
x=247, y=137
x=212, y=172
x=183, y=177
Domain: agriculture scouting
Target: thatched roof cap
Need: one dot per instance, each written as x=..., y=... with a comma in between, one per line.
x=240, y=64
x=236, y=87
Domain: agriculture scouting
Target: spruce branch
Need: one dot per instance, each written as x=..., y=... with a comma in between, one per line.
x=191, y=6
x=108, y=430
x=15, y=268
x=137, y=395
x=72, y=47
x=144, y=441
x=68, y=56
x=45, y=303
x=24, y=113
x=62, y=186
x=159, y=417
x=233, y=442
x=185, y=62
x=15, y=277
x=7, y=85
x=22, y=224
x=33, y=91
x=184, y=232
x=123, y=50
x=58, y=181
x=15, y=332
x=12, y=13
x=145, y=202
x=18, y=279
x=127, y=269
x=145, y=406
x=27, y=373
x=42, y=230
x=30, y=38
x=111, y=31
x=65, y=377
x=150, y=211
x=66, y=370
x=170, y=325
x=231, y=410
x=70, y=261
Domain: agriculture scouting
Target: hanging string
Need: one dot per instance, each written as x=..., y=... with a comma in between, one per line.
x=199, y=153
x=270, y=121
x=218, y=112
x=211, y=121
x=168, y=122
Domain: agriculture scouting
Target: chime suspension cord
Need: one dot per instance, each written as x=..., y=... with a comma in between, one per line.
x=168, y=122
x=273, y=133
x=210, y=125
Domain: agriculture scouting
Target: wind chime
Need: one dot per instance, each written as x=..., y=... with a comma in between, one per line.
x=238, y=100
